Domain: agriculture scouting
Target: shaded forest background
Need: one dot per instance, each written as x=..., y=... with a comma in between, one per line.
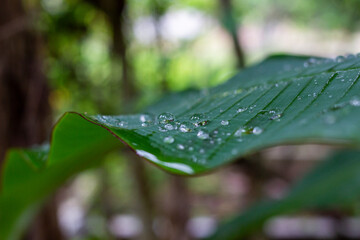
x=118, y=56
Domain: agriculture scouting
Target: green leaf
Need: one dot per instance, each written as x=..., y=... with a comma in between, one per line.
x=28, y=178
x=281, y=100
x=275, y=102
x=334, y=183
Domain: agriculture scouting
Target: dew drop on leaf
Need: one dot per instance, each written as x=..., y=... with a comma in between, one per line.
x=146, y=118
x=180, y=147
x=355, y=102
x=197, y=117
x=240, y=132
x=340, y=59
x=164, y=118
x=169, y=127
x=242, y=109
x=203, y=134
x=169, y=139
x=122, y=124
x=276, y=116
x=185, y=127
x=224, y=122
x=257, y=130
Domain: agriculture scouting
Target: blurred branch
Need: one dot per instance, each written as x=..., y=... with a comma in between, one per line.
x=230, y=25
x=115, y=10
x=158, y=10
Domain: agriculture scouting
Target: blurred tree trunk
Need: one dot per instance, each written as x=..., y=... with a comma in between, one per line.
x=177, y=210
x=24, y=111
x=229, y=23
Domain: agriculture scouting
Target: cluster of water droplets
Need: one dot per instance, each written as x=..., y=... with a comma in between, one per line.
x=201, y=138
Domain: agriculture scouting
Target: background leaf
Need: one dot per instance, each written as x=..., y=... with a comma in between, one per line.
x=28, y=177
x=334, y=183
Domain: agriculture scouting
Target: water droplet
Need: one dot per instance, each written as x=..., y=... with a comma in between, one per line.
x=201, y=151
x=203, y=135
x=276, y=116
x=180, y=147
x=199, y=119
x=224, y=122
x=165, y=118
x=257, y=130
x=122, y=124
x=169, y=139
x=162, y=129
x=242, y=109
x=169, y=127
x=310, y=61
x=338, y=106
x=355, y=102
x=340, y=59
x=146, y=118
x=185, y=127
x=238, y=91
x=191, y=149
x=240, y=132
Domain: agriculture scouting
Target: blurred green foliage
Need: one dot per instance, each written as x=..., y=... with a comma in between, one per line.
x=86, y=77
